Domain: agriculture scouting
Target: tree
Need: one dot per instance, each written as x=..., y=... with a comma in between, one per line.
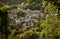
x=4, y=22
x=50, y=24
x=33, y=4
x=56, y=3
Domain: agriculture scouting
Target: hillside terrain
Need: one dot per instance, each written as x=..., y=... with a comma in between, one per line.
x=30, y=19
x=11, y=1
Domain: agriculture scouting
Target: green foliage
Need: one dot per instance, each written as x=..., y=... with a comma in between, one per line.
x=50, y=24
x=13, y=6
x=32, y=33
x=33, y=4
x=55, y=2
x=30, y=1
x=1, y=4
x=20, y=13
x=28, y=35
x=3, y=9
x=50, y=33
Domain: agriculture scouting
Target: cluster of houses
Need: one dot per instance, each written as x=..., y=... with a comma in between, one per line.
x=31, y=17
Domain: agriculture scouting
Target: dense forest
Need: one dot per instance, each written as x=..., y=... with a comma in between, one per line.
x=29, y=19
